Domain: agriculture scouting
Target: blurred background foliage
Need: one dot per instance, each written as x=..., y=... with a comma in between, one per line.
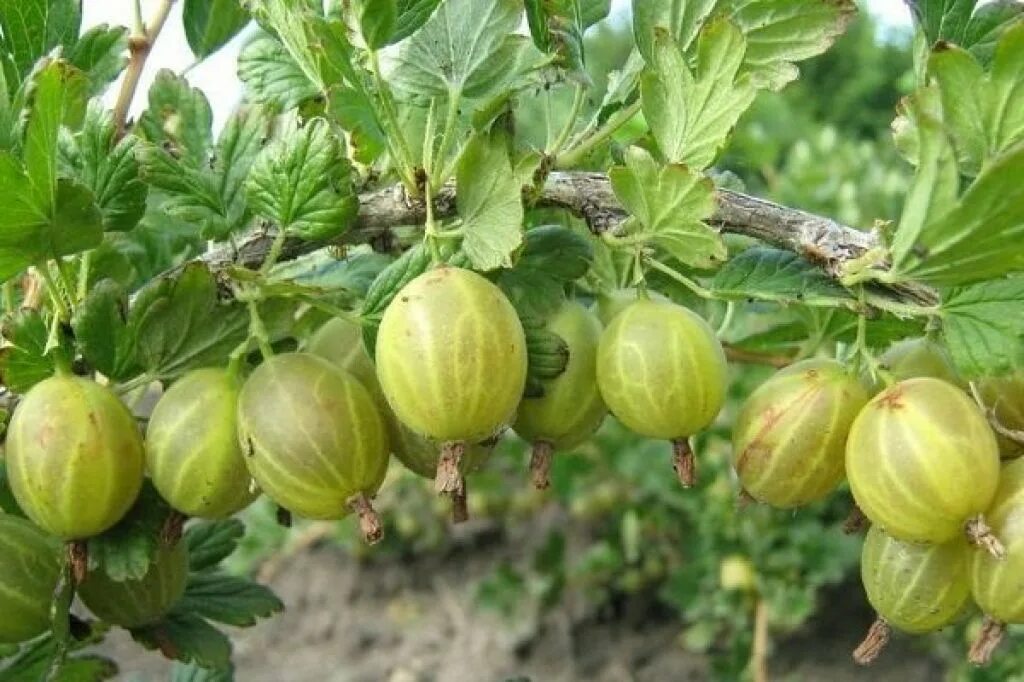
x=615, y=524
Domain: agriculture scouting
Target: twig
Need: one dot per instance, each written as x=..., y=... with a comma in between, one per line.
x=139, y=46
x=589, y=196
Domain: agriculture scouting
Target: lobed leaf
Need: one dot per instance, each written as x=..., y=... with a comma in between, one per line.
x=669, y=205
x=107, y=167
x=301, y=182
x=439, y=60
x=210, y=542
x=983, y=328
x=489, y=203
x=692, y=114
x=228, y=599
x=187, y=638
x=126, y=551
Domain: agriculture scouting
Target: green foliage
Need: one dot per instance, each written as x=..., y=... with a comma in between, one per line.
x=209, y=25
x=444, y=114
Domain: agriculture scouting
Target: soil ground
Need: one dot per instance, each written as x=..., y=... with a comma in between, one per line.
x=415, y=621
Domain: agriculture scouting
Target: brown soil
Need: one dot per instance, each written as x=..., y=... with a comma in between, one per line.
x=415, y=621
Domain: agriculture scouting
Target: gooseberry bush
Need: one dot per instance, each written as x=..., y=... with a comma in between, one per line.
x=378, y=256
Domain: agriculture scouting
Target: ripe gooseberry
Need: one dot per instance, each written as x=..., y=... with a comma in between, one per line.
x=142, y=601
x=1004, y=397
x=74, y=457
x=29, y=569
x=313, y=438
x=917, y=357
x=571, y=408
x=608, y=304
x=192, y=451
x=996, y=584
x=663, y=374
x=790, y=436
x=340, y=342
x=451, y=359
x=908, y=456
x=914, y=587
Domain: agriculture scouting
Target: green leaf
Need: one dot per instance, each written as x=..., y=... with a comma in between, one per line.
x=189, y=672
x=302, y=183
x=352, y=273
x=411, y=264
x=319, y=46
x=210, y=24
x=772, y=274
x=31, y=232
x=210, y=542
x=681, y=18
x=669, y=205
x=271, y=76
x=984, y=112
x=179, y=119
x=557, y=28
x=983, y=328
x=982, y=237
x=56, y=97
x=782, y=32
x=126, y=551
x=23, y=359
x=211, y=195
x=101, y=53
x=187, y=638
x=107, y=167
x=778, y=32
x=8, y=505
x=31, y=28
x=101, y=330
x=179, y=323
x=228, y=599
x=552, y=257
x=987, y=25
x=377, y=21
x=691, y=115
x=936, y=182
x=963, y=23
x=412, y=14
x=354, y=112
x=467, y=47
x=489, y=203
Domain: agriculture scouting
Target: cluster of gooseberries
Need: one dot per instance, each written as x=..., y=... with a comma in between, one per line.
x=314, y=430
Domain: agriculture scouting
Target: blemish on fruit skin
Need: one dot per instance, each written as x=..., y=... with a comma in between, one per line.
x=892, y=399
x=769, y=418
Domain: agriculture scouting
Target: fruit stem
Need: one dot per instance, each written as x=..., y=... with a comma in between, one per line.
x=988, y=639
x=540, y=464
x=460, y=511
x=856, y=522
x=981, y=536
x=171, y=532
x=744, y=500
x=284, y=517
x=683, y=461
x=876, y=639
x=78, y=560
x=449, y=464
x=369, y=522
